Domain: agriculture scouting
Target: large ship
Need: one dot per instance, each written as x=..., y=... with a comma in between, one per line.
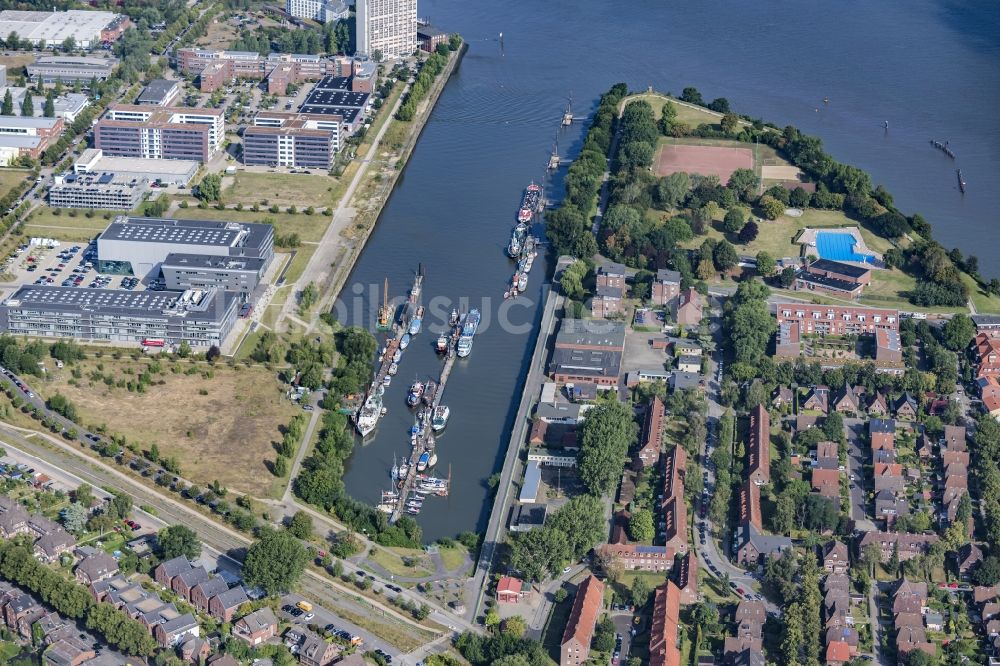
x=368, y=415
x=468, y=332
x=517, y=237
x=529, y=202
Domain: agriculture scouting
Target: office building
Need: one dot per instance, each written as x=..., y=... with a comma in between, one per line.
x=292, y=140
x=160, y=172
x=218, y=68
x=588, y=350
x=20, y=136
x=429, y=37
x=88, y=29
x=159, y=92
x=97, y=190
x=139, y=245
x=334, y=95
x=66, y=106
x=198, y=317
x=128, y=130
x=70, y=69
x=386, y=27
x=324, y=11
x=199, y=271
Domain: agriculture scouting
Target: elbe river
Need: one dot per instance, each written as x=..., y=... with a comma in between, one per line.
x=929, y=68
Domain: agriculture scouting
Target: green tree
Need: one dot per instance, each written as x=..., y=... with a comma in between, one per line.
x=748, y=233
x=607, y=433
x=177, y=540
x=537, y=552
x=640, y=591
x=724, y=256
x=121, y=506
x=734, y=220
x=582, y=521
x=958, y=332
x=771, y=208
x=729, y=123
x=640, y=526
x=275, y=562
x=515, y=626
x=671, y=190
x=301, y=525
x=8, y=104
x=84, y=494
x=210, y=188
x=49, y=111
x=74, y=517
x=765, y=264
x=782, y=520
x=27, y=106
x=744, y=183
x=988, y=571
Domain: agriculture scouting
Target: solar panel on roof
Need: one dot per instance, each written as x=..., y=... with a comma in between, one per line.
x=106, y=178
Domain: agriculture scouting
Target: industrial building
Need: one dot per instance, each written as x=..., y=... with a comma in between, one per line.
x=163, y=172
x=129, y=130
x=159, y=92
x=66, y=106
x=97, y=190
x=386, y=27
x=88, y=29
x=324, y=11
x=199, y=271
x=21, y=136
x=292, y=140
x=198, y=317
x=139, y=245
x=70, y=69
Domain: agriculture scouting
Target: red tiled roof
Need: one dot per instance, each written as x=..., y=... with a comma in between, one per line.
x=838, y=651
x=583, y=616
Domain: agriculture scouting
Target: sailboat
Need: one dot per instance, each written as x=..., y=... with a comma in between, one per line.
x=384, y=322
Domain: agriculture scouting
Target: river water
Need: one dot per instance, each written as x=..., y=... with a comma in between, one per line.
x=930, y=68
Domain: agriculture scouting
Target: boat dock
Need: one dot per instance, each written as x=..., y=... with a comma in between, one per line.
x=943, y=147
x=422, y=439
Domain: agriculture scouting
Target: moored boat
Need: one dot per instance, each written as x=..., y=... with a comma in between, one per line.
x=433, y=460
x=522, y=281
x=404, y=342
x=417, y=320
x=442, y=343
x=384, y=320
x=468, y=333
x=367, y=417
x=429, y=390
x=422, y=461
x=516, y=240
x=416, y=392
x=397, y=356
x=393, y=369
x=440, y=418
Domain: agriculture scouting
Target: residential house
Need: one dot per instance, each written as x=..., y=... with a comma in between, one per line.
x=204, y=591
x=673, y=521
x=848, y=635
x=184, y=581
x=689, y=308
x=749, y=505
x=838, y=653
x=574, y=649
x=172, y=632
x=689, y=364
x=755, y=546
x=954, y=438
x=967, y=558
x=609, y=291
x=826, y=482
x=835, y=557
x=847, y=401
x=224, y=606
x=906, y=408
x=666, y=287
x=256, y=627
x=817, y=400
x=984, y=593
x=878, y=406
x=888, y=477
x=687, y=578
x=652, y=434
x=94, y=567
x=315, y=651
x=69, y=651
x=509, y=590
x=913, y=638
x=882, y=433
x=165, y=572
x=908, y=545
x=663, y=644
x=194, y=650
x=889, y=507
x=759, y=446
x=782, y=397
x=828, y=455
x=223, y=660
x=635, y=557
x=934, y=621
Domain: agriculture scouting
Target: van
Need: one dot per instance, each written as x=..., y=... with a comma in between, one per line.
x=305, y=606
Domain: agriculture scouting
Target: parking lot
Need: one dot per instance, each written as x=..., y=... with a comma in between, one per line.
x=64, y=265
x=328, y=621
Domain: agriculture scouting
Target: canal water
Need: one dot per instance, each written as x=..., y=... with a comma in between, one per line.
x=929, y=68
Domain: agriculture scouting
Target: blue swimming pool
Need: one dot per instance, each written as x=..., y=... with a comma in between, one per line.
x=838, y=246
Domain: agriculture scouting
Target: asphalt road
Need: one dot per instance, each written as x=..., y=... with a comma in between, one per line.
x=856, y=467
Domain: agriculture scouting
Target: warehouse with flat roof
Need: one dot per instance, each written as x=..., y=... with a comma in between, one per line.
x=139, y=245
x=87, y=28
x=199, y=317
x=70, y=69
x=166, y=172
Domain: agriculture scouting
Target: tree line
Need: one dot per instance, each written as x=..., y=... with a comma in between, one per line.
x=429, y=71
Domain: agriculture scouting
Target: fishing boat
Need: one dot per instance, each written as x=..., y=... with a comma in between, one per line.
x=393, y=369
x=396, y=357
x=468, y=333
x=384, y=321
x=422, y=461
x=429, y=390
x=368, y=415
x=442, y=343
x=417, y=320
x=453, y=319
x=517, y=240
x=521, y=280
x=404, y=341
x=440, y=418
x=416, y=392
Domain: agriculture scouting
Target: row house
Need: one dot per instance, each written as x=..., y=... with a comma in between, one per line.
x=835, y=557
x=840, y=636
x=796, y=321
x=50, y=539
x=759, y=446
x=94, y=567
x=745, y=646
x=909, y=607
x=61, y=641
x=652, y=434
x=636, y=557
x=663, y=643
x=687, y=578
x=954, y=461
x=907, y=545
x=574, y=648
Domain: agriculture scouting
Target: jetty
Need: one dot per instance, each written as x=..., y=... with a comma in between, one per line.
x=943, y=147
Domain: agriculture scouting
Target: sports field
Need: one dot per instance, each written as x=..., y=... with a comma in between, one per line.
x=705, y=160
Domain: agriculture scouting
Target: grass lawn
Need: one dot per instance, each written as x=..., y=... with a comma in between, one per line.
x=985, y=303
x=221, y=427
x=555, y=626
x=453, y=558
x=689, y=115
x=303, y=190
x=310, y=228
x=8, y=651
x=392, y=561
x=44, y=222
x=15, y=62
x=11, y=177
x=381, y=118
